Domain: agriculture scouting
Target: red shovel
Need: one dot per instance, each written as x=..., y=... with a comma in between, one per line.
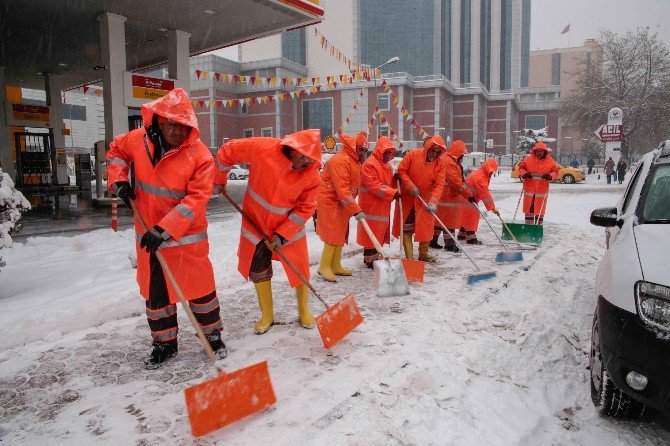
x=229, y=397
x=338, y=320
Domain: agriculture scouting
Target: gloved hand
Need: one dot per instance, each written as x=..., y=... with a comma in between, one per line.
x=472, y=200
x=527, y=175
x=415, y=192
x=432, y=208
x=496, y=211
x=152, y=239
x=277, y=242
x=124, y=191
x=397, y=195
x=359, y=216
x=546, y=176
x=219, y=189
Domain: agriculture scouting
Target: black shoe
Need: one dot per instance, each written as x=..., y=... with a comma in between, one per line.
x=474, y=241
x=452, y=248
x=433, y=244
x=217, y=345
x=369, y=265
x=162, y=352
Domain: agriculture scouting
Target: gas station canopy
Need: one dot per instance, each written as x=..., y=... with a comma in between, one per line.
x=62, y=37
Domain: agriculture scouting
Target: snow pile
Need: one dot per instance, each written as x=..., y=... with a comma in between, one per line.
x=12, y=203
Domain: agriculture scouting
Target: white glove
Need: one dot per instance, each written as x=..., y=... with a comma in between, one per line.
x=432, y=208
x=359, y=216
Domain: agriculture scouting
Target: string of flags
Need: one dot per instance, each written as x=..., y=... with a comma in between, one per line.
x=357, y=104
x=407, y=116
x=378, y=115
x=86, y=90
x=329, y=48
x=278, y=82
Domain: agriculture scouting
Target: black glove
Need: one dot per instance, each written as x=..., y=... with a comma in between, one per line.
x=527, y=175
x=277, y=242
x=124, y=191
x=152, y=239
x=471, y=199
x=546, y=176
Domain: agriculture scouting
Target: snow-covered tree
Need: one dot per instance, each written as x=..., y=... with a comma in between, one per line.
x=530, y=137
x=12, y=204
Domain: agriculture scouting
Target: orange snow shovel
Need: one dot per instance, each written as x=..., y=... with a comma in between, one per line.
x=229, y=397
x=338, y=320
x=414, y=269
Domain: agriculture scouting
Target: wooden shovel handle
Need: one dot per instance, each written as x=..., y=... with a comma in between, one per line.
x=180, y=294
x=375, y=242
x=277, y=250
x=401, y=220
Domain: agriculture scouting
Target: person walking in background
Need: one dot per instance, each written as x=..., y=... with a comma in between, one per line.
x=590, y=164
x=574, y=163
x=621, y=167
x=609, y=170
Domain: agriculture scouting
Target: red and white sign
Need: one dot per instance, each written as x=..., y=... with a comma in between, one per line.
x=610, y=132
x=151, y=88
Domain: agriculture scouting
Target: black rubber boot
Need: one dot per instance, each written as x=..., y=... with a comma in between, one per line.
x=474, y=241
x=434, y=244
x=162, y=352
x=369, y=264
x=217, y=345
x=450, y=246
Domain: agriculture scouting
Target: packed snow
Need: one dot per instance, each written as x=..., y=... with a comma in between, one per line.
x=503, y=362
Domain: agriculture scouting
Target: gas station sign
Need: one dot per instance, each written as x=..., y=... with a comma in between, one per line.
x=150, y=88
x=25, y=115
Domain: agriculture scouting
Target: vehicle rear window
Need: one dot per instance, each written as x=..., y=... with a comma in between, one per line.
x=656, y=206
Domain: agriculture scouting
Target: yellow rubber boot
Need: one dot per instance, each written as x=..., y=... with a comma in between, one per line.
x=423, y=253
x=264, y=292
x=408, y=245
x=325, y=269
x=306, y=318
x=336, y=265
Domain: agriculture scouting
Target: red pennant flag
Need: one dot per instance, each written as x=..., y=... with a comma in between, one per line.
x=341, y=78
x=253, y=80
x=86, y=87
x=334, y=84
x=269, y=79
x=318, y=88
x=236, y=78
x=218, y=103
x=314, y=80
x=197, y=73
x=283, y=81
x=355, y=106
x=236, y=102
x=217, y=76
x=201, y=103
x=270, y=98
x=347, y=120
x=383, y=83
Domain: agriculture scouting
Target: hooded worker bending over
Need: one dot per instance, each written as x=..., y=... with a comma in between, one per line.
x=449, y=207
x=377, y=191
x=537, y=170
x=336, y=202
x=478, y=181
x=421, y=172
x=173, y=183
x=280, y=198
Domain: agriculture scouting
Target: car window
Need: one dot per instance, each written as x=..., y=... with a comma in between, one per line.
x=631, y=190
x=656, y=206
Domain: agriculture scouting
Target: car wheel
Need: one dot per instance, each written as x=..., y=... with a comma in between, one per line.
x=568, y=178
x=233, y=176
x=607, y=397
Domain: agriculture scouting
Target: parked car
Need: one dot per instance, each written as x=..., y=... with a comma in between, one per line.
x=630, y=339
x=238, y=173
x=568, y=175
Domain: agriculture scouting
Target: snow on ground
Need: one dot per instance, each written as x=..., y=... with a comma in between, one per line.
x=503, y=362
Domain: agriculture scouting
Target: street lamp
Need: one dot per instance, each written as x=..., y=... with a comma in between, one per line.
x=394, y=59
x=71, y=133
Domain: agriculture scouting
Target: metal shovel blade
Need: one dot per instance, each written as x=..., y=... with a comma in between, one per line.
x=229, y=397
x=338, y=321
x=390, y=279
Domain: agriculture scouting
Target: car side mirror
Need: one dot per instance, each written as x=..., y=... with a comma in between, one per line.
x=605, y=217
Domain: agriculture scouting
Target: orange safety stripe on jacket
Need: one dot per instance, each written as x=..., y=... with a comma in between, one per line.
x=536, y=188
x=479, y=181
x=336, y=200
x=416, y=173
x=278, y=198
x=376, y=194
x=448, y=208
x=172, y=195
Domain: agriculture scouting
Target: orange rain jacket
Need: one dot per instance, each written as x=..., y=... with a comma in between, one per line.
x=449, y=209
x=172, y=195
x=279, y=199
x=478, y=181
x=537, y=189
x=376, y=194
x=336, y=201
x=416, y=173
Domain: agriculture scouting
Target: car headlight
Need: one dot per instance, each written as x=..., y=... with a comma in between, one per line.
x=653, y=304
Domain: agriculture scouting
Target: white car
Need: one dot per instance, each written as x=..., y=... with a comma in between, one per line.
x=630, y=339
x=238, y=173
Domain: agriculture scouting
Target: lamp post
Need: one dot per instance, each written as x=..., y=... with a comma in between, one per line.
x=71, y=129
x=394, y=59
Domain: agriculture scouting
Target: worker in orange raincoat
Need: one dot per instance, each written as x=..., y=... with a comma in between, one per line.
x=537, y=170
x=280, y=198
x=173, y=173
x=376, y=193
x=421, y=172
x=478, y=182
x=449, y=207
x=336, y=202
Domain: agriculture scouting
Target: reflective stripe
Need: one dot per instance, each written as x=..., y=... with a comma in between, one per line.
x=536, y=176
x=187, y=240
x=185, y=211
x=165, y=335
x=380, y=194
x=363, y=189
x=384, y=187
x=346, y=201
x=249, y=236
x=300, y=234
x=469, y=205
x=222, y=167
x=265, y=204
x=160, y=191
x=209, y=329
x=205, y=308
x=377, y=218
x=447, y=205
x=293, y=217
x=118, y=161
x=161, y=312
x=530, y=194
x=487, y=200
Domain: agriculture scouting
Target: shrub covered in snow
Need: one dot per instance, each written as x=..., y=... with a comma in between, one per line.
x=12, y=203
x=530, y=137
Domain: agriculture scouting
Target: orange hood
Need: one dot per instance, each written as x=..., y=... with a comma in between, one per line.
x=307, y=142
x=349, y=143
x=384, y=144
x=541, y=146
x=489, y=166
x=175, y=106
x=457, y=149
x=436, y=139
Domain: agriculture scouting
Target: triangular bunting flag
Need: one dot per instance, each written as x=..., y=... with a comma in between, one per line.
x=201, y=103
x=217, y=76
x=197, y=73
x=204, y=74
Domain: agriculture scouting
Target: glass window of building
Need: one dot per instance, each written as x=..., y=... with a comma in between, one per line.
x=466, y=47
x=525, y=42
x=536, y=122
x=556, y=69
x=318, y=114
x=247, y=133
x=266, y=132
x=446, y=38
x=383, y=101
x=383, y=130
x=506, y=45
x=485, y=44
x=245, y=108
x=294, y=46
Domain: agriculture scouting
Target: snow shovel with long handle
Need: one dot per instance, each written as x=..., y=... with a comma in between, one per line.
x=338, y=320
x=414, y=269
x=525, y=233
x=507, y=255
x=229, y=397
x=474, y=277
x=389, y=274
